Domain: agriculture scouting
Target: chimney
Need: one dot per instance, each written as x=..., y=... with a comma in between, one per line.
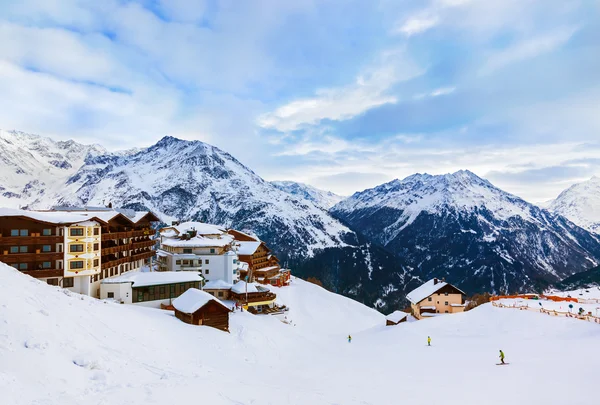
x=435, y=281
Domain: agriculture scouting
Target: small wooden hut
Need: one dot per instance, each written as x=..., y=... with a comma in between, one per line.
x=200, y=308
x=395, y=318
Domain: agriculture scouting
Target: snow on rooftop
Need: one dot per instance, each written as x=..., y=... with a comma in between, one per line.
x=396, y=316
x=240, y=287
x=420, y=293
x=139, y=279
x=199, y=241
x=218, y=285
x=55, y=217
x=247, y=248
x=267, y=269
x=200, y=227
x=194, y=299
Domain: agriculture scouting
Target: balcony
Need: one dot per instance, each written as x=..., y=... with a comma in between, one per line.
x=44, y=273
x=30, y=240
x=30, y=257
x=143, y=244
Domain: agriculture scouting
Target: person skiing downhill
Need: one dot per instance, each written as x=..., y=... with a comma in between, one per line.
x=428, y=341
x=349, y=339
x=502, y=357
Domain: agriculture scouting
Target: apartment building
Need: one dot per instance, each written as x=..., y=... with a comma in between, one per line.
x=75, y=248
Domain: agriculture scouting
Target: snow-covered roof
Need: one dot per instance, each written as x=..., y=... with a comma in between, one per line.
x=248, y=234
x=54, y=217
x=218, y=285
x=248, y=248
x=396, y=316
x=194, y=299
x=458, y=305
x=243, y=266
x=267, y=269
x=139, y=279
x=240, y=287
x=139, y=215
x=428, y=307
x=200, y=227
x=430, y=314
x=420, y=293
x=199, y=241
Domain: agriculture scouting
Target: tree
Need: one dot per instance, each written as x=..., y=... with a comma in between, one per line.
x=315, y=280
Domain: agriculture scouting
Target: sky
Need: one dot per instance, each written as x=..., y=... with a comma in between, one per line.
x=341, y=94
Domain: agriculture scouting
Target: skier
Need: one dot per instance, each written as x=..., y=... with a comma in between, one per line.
x=502, y=357
x=428, y=341
x=349, y=339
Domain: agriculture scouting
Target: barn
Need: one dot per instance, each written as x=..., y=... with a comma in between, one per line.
x=200, y=308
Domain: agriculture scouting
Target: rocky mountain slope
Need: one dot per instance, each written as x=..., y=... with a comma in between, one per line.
x=321, y=198
x=580, y=203
x=461, y=227
x=585, y=279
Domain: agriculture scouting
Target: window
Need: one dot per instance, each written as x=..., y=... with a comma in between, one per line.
x=76, y=231
x=96, y=246
x=46, y=265
x=46, y=248
x=96, y=262
x=46, y=232
x=111, y=295
x=186, y=262
x=446, y=311
x=14, y=249
x=22, y=249
x=446, y=303
x=220, y=293
x=446, y=294
x=24, y=232
x=429, y=299
x=76, y=248
x=187, y=250
x=77, y=264
x=22, y=266
x=212, y=251
x=60, y=248
x=68, y=282
x=207, y=271
x=206, y=261
x=52, y=281
x=15, y=265
x=14, y=232
x=96, y=231
x=178, y=262
x=161, y=290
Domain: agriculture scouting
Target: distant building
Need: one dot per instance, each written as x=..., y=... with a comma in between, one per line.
x=395, y=318
x=151, y=289
x=254, y=298
x=262, y=265
x=436, y=297
x=75, y=248
x=196, y=246
x=200, y=308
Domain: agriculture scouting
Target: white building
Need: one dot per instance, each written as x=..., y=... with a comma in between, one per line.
x=149, y=289
x=204, y=248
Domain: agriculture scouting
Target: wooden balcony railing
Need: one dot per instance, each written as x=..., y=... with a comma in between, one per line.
x=30, y=240
x=111, y=263
x=126, y=234
x=44, y=273
x=30, y=257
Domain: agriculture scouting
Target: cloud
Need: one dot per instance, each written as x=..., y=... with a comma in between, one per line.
x=369, y=90
x=417, y=25
x=527, y=49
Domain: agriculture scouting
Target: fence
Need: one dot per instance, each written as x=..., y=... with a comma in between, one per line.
x=588, y=317
x=535, y=297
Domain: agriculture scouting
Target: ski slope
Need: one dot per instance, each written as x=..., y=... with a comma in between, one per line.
x=61, y=348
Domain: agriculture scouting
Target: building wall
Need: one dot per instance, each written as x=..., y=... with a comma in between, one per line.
x=439, y=302
x=122, y=292
x=212, y=267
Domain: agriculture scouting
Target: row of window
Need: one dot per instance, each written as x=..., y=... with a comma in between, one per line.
x=26, y=266
x=25, y=249
x=191, y=262
x=79, y=264
x=162, y=292
x=48, y=232
x=66, y=283
x=189, y=250
x=79, y=247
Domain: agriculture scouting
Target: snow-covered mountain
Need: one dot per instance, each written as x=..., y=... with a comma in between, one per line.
x=33, y=166
x=321, y=198
x=580, y=203
x=461, y=227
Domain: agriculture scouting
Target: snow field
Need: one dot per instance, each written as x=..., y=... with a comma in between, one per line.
x=61, y=348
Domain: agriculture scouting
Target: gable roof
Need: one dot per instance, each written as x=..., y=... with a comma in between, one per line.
x=194, y=299
x=248, y=248
x=396, y=316
x=425, y=290
x=52, y=217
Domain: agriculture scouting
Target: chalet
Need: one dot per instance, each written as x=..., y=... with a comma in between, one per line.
x=262, y=265
x=255, y=298
x=218, y=288
x=395, y=318
x=75, y=247
x=196, y=246
x=200, y=308
x=151, y=289
x=436, y=297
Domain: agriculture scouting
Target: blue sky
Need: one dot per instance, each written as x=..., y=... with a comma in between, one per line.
x=340, y=94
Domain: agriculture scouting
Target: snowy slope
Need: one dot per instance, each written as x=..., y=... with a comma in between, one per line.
x=33, y=165
x=321, y=198
x=192, y=180
x=57, y=348
x=581, y=204
x=461, y=227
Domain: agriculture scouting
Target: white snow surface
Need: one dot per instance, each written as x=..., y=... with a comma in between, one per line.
x=59, y=348
x=217, y=285
x=141, y=279
x=321, y=198
x=247, y=248
x=199, y=241
x=240, y=287
x=580, y=203
x=201, y=228
x=194, y=299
